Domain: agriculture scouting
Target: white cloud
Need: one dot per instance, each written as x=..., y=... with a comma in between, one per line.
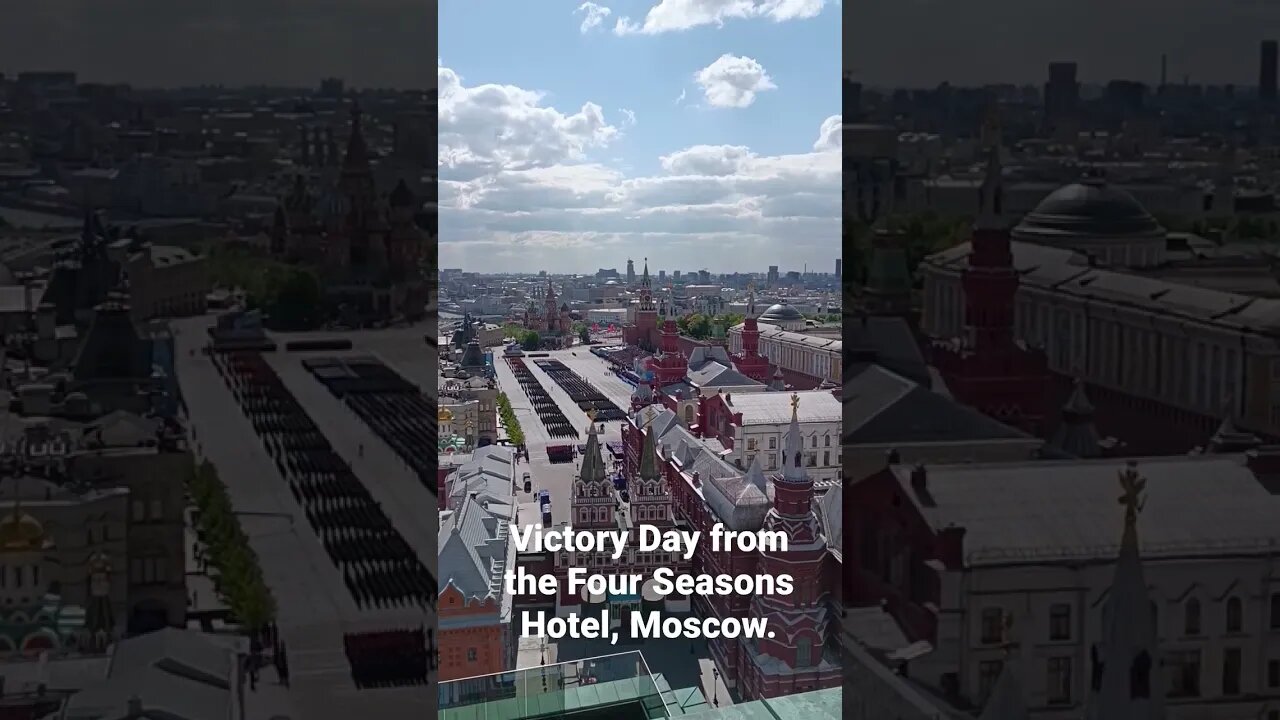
x=594, y=15
x=522, y=182
x=830, y=135
x=489, y=128
x=681, y=98
x=678, y=15
x=629, y=115
x=733, y=82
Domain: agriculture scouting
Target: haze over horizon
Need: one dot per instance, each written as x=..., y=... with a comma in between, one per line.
x=281, y=43
x=922, y=43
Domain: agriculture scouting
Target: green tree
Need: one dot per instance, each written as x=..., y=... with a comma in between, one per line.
x=584, y=334
x=730, y=319
x=696, y=325
x=514, y=331
x=531, y=340
x=514, y=433
x=292, y=298
x=700, y=326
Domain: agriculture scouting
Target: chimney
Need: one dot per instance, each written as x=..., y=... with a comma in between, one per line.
x=697, y=479
x=919, y=478
x=950, y=549
x=893, y=458
x=728, y=398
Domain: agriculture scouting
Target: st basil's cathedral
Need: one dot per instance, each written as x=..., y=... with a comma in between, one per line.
x=366, y=247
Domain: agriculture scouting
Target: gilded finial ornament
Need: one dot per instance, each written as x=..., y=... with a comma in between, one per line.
x=591, y=415
x=1007, y=642
x=795, y=405
x=1133, y=484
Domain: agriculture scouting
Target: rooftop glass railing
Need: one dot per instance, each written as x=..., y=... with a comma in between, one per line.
x=610, y=687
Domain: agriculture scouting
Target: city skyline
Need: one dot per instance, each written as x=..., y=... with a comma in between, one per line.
x=1002, y=41
x=278, y=43
x=638, y=130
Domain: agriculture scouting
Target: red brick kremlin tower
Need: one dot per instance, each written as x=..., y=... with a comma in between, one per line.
x=643, y=330
x=794, y=660
x=750, y=362
x=988, y=369
x=591, y=507
x=647, y=491
x=669, y=365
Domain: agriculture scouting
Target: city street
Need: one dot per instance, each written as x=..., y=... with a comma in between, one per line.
x=394, y=486
x=557, y=478
x=315, y=608
x=672, y=658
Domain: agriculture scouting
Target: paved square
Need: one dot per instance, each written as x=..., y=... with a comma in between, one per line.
x=315, y=607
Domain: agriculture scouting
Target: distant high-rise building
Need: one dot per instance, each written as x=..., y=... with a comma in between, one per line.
x=631, y=272
x=839, y=267
x=773, y=275
x=1267, y=72
x=852, y=100
x=1061, y=93
x=662, y=276
x=332, y=87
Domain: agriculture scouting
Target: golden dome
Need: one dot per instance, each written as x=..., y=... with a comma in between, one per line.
x=19, y=531
x=444, y=415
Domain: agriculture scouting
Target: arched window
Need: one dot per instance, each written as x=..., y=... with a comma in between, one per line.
x=688, y=415
x=1235, y=615
x=1191, y=619
x=1140, y=676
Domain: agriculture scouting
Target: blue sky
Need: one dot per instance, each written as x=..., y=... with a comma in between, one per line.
x=565, y=124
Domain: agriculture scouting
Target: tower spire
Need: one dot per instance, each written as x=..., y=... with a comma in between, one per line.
x=592, y=469
x=649, y=457
x=992, y=192
x=793, y=447
x=1007, y=700
x=1125, y=659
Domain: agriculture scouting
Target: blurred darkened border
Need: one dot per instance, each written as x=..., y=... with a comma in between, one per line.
x=431, y=49
x=851, y=706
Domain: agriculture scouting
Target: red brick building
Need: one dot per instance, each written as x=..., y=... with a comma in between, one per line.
x=988, y=368
x=706, y=491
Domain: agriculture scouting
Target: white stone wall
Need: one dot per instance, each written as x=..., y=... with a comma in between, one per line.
x=1116, y=346
x=1029, y=592
x=821, y=440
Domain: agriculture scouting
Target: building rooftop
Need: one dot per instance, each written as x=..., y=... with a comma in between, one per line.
x=180, y=674
x=882, y=407
x=1067, y=272
x=1065, y=511
x=774, y=408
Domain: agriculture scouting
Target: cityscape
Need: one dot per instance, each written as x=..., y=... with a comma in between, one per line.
x=241, y=268
x=1059, y=416
x=216, y=299
x=640, y=331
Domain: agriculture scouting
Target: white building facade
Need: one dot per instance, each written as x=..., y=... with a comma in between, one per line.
x=766, y=420
x=812, y=355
